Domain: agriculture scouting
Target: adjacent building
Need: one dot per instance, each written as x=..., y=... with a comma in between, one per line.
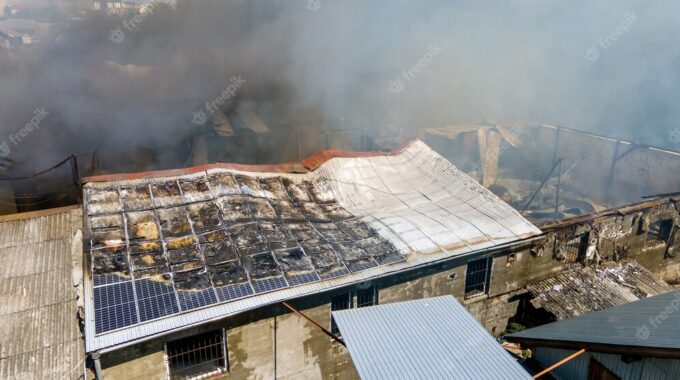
x=638, y=340
x=40, y=277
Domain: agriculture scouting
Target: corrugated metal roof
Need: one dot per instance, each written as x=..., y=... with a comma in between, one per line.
x=39, y=333
x=648, y=323
x=586, y=289
x=421, y=203
x=432, y=338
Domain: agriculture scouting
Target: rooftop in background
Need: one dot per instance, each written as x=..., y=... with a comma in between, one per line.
x=523, y=163
x=40, y=334
x=646, y=327
x=171, y=251
x=431, y=338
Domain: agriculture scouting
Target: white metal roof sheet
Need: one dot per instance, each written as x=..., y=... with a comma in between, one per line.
x=431, y=338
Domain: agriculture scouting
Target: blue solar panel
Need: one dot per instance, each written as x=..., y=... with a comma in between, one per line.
x=110, y=278
x=302, y=278
x=114, y=307
x=193, y=299
x=232, y=292
x=155, y=299
x=269, y=284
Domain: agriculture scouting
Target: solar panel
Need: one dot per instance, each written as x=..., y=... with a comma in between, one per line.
x=269, y=284
x=232, y=292
x=108, y=278
x=193, y=299
x=114, y=307
x=302, y=278
x=156, y=299
x=179, y=245
x=359, y=266
x=333, y=274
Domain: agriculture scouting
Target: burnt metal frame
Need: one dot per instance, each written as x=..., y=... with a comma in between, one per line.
x=210, y=350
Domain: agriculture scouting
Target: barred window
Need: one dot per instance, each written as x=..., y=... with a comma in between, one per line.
x=477, y=277
x=575, y=249
x=340, y=302
x=659, y=233
x=197, y=355
x=366, y=297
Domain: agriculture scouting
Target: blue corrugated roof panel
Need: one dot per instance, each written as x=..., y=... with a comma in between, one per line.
x=432, y=338
x=647, y=323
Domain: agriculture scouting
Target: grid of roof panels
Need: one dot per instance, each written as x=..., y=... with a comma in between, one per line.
x=163, y=247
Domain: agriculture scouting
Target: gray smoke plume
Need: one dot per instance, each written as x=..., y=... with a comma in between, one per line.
x=607, y=67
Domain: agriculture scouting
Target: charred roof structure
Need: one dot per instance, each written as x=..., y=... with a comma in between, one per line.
x=585, y=289
x=168, y=251
x=551, y=173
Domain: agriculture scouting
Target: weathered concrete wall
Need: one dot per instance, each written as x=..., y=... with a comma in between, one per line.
x=143, y=361
x=622, y=234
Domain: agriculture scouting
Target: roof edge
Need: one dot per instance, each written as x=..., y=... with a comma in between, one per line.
x=36, y=214
x=305, y=165
x=647, y=351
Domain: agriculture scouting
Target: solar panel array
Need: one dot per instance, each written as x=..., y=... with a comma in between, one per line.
x=169, y=246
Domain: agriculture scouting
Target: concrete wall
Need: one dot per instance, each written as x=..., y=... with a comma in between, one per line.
x=620, y=235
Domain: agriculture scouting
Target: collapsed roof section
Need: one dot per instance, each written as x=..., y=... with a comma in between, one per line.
x=587, y=289
x=170, y=251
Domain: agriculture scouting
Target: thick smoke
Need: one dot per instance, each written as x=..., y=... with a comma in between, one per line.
x=341, y=64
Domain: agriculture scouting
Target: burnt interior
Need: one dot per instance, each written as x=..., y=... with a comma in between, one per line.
x=222, y=230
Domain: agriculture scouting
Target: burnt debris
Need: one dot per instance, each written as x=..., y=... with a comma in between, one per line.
x=222, y=230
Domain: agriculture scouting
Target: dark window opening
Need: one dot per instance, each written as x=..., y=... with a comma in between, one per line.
x=477, y=277
x=366, y=297
x=576, y=247
x=659, y=233
x=196, y=355
x=339, y=302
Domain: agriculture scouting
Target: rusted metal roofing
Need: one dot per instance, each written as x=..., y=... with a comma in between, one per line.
x=431, y=338
x=586, y=289
x=169, y=252
x=39, y=333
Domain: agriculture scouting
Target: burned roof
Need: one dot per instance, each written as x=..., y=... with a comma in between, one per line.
x=39, y=330
x=586, y=289
x=170, y=251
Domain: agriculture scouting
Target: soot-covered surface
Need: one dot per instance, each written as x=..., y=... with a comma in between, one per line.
x=170, y=246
